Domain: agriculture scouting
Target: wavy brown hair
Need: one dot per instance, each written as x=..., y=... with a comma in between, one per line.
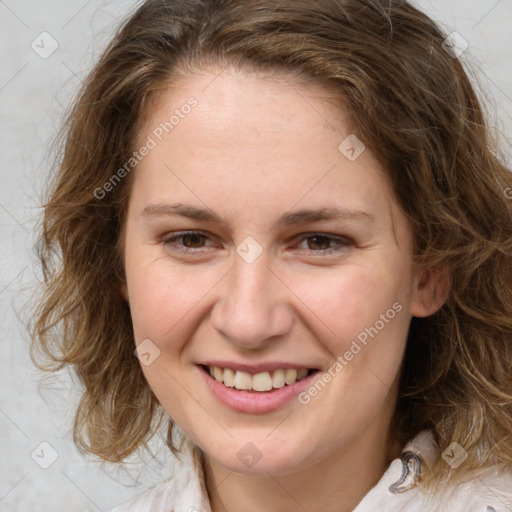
x=413, y=105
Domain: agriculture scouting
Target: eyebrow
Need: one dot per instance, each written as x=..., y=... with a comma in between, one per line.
x=288, y=219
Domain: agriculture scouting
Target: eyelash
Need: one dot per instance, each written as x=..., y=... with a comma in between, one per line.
x=343, y=242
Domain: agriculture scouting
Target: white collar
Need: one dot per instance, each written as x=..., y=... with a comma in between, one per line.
x=396, y=485
x=487, y=491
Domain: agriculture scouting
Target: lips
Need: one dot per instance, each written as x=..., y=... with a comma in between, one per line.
x=263, y=377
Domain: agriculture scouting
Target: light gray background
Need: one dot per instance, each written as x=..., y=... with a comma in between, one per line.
x=33, y=95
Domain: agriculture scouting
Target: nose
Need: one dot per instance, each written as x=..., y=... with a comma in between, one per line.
x=253, y=307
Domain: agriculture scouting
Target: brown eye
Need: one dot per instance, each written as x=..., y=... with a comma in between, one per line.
x=185, y=241
x=193, y=239
x=321, y=243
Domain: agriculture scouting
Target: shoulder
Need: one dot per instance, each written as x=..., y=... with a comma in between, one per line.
x=157, y=498
x=184, y=491
x=489, y=490
x=485, y=490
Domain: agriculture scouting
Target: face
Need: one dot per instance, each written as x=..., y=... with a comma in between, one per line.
x=256, y=245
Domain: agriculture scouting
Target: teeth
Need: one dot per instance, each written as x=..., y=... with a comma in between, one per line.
x=290, y=376
x=264, y=381
x=278, y=379
x=301, y=373
x=229, y=378
x=243, y=380
x=218, y=374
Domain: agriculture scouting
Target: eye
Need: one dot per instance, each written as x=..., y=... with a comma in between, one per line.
x=320, y=242
x=191, y=239
x=193, y=242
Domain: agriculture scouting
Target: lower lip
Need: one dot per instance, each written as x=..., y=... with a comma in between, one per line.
x=255, y=402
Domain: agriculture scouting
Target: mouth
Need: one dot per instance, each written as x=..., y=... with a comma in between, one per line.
x=255, y=389
x=258, y=383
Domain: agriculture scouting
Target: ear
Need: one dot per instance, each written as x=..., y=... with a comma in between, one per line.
x=430, y=292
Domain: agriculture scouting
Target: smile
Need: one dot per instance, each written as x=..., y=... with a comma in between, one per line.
x=262, y=391
x=259, y=382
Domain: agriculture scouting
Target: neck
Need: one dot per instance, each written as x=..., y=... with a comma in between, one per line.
x=336, y=484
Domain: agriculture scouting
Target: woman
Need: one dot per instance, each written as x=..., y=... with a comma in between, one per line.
x=284, y=227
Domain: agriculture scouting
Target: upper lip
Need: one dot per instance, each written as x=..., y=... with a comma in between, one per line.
x=255, y=367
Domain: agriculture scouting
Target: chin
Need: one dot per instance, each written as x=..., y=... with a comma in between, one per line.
x=249, y=459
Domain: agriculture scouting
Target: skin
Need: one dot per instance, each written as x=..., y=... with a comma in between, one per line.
x=254, y=148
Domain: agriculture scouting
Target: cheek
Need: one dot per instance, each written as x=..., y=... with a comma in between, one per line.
x=164, y=304
x=162, y=296
x=349, y=302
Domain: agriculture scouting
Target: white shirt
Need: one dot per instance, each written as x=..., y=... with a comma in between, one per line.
x=396, y=491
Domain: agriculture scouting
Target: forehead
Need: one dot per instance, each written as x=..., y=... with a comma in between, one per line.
x=256, y=103
x=253, y=140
